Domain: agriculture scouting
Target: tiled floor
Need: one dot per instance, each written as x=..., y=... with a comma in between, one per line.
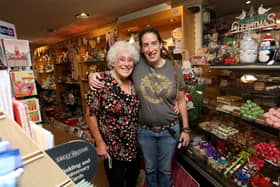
x=61, y=137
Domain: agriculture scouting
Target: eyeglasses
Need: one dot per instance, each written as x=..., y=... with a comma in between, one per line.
x=123, y=59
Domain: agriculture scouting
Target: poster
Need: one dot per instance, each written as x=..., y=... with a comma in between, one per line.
x=17, y=52
x=23, y=83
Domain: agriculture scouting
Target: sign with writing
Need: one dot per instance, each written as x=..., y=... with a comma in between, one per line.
x=252, y=22
x=78, y=159
x=7, y=30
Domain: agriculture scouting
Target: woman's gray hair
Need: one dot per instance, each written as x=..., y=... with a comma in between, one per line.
x=122, y=46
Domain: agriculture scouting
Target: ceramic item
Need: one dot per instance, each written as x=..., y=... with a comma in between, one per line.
x=267, y=49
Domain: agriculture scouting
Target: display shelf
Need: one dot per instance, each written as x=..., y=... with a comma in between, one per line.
x=215, y=178
x=255, y=123
x=199, y=164
x=39, y=168
x=245, y=67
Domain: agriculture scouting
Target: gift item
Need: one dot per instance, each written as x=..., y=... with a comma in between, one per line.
x=224, y=132
x=17, y=52
x=23, y=83
x=241, y=159
x=272, y=117
x=248, y=49
x=267, y=49
x=260, y=180
x=268, y=151
x=251, y=110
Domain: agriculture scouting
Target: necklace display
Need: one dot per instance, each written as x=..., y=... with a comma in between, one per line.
x=124, y=85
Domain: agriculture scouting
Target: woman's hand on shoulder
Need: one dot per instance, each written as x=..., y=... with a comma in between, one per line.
x=94, y=81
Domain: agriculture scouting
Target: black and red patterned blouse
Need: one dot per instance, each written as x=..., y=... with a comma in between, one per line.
x=117, y=116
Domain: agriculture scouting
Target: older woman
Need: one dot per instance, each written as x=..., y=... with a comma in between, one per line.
x=113, y=116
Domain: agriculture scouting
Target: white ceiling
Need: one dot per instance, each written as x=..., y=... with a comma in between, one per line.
x=33, y=18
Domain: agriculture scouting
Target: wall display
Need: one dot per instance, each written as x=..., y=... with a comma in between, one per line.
x=23, y=83
x=17, y=52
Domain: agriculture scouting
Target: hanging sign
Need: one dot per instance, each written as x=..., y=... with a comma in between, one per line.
x=7, y=30
x=252, y=22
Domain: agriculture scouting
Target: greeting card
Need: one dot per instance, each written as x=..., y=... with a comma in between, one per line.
x=17, y=52
x=23, y=83
x=33, y=109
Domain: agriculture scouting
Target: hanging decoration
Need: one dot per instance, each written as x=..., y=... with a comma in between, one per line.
x=251, y=22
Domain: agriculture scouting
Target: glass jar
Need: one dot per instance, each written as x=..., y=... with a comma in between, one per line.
x=248, y=49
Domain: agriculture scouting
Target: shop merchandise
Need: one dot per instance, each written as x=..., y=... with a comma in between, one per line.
x=248, y=49
x=6, y=93
x=17, y=52
x=272, y=117
x=267, y=49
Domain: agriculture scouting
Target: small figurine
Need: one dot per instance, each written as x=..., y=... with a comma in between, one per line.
x=251, y=12
x=262, y=10
x=267, y=49
x=242, y=15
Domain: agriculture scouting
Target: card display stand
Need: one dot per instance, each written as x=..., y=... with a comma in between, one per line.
x=39, y=168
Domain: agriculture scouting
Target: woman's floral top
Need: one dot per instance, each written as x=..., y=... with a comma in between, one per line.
x=117, y=116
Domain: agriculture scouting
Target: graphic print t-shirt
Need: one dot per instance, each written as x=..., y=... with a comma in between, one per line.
x=156, y=88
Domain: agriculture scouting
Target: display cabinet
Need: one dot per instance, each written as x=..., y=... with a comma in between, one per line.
x=237, y=120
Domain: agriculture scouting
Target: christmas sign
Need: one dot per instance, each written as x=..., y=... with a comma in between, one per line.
x=251, y=20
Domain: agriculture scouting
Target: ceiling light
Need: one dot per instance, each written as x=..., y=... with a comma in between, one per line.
x=172, y=20
x=132, y=39
x=248, y=2
x=82, y=15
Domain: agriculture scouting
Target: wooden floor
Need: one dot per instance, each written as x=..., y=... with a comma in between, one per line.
x=61, y=137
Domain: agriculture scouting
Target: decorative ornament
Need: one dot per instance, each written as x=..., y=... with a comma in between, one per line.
x=242, y=15
x=267, y=49
x=92, y=43
x=262, y=10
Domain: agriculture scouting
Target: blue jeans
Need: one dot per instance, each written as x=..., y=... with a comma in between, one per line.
x=158, y=149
